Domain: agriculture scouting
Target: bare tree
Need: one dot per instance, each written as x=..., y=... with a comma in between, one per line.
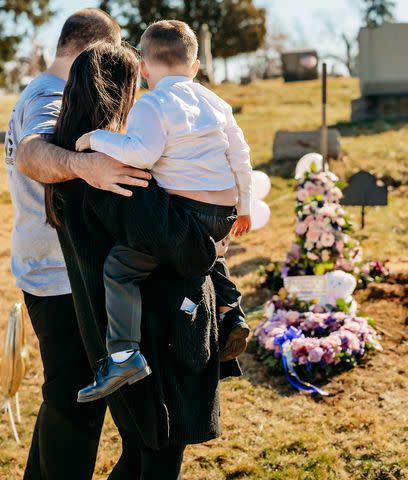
x=266, y=62
x=346, y=45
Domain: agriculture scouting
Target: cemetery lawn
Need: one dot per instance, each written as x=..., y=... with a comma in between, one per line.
x=270, y=431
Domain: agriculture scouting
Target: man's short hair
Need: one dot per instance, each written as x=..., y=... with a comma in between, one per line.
x=169, y=42
x=84, y=27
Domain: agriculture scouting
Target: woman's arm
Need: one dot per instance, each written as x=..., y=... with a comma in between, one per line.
x=150, y=223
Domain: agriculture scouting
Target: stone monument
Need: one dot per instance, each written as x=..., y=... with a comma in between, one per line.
x=206, y=64
x=299, y=65
x=382, y=67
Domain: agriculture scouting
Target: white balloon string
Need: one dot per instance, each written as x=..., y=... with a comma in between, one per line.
x=18, y=411
x=13, y=425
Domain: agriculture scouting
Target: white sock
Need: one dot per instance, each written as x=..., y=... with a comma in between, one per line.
x=222, y=315
x=121, y=357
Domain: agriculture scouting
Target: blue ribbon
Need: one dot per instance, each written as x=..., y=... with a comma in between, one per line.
x=285, y=340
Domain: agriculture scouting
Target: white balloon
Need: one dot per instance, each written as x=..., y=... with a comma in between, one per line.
x=261, y=185
x=269, y=309
x=304, y=165
x=260, y=214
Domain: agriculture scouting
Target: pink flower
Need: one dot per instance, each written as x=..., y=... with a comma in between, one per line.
x=318, y=309
x=313, y=234
x=334, y=195
x=344, y=264
x=309, y=188
x=329, y=210
x=328, y=357
x=366, y=268
x=292, y=316
x=294, y=251
x=339, y=246
x=309, y=220
x=315, y=355
x=327, y=239
x=301, y=228
x=301, y=195
x=311, y=256
x=302, y=360
x=339, y=316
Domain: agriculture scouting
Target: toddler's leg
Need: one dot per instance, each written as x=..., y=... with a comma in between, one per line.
x=124, y=270
x=228, y=296
x=233, y=331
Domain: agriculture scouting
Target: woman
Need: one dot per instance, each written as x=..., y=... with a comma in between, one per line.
x=178, y=403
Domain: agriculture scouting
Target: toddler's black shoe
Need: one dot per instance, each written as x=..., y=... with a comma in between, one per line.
x=111, y=376
x=233, y=334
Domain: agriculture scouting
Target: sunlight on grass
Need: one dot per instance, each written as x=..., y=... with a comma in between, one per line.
x=270, y=431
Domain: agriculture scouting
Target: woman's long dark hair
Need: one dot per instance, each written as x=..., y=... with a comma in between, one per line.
x=99, y=93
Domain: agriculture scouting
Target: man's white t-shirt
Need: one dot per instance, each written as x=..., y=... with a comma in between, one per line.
x=36, y=257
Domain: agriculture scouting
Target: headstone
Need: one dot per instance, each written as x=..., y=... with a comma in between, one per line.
x=306, y=287
x=288, y=147
x=299, y=65
x=246, y=80
x=205, y=55
x=363, y=190
x=383, y=74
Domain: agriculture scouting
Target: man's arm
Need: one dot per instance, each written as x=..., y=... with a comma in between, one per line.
x=47, y=163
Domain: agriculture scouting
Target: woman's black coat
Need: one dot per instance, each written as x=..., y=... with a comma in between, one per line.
x=179, y=402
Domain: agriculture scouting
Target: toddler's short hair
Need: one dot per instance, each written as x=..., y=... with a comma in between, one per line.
x=169, y=42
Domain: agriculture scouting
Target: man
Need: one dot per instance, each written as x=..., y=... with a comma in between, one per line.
x=66, y=435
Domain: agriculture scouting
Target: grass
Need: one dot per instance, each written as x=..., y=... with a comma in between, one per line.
x=270, y=431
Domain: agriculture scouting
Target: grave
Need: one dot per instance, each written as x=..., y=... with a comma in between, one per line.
x=206, y=73
x=383, y=73
x=363, y=190
x=288, y=147
x=299, y=65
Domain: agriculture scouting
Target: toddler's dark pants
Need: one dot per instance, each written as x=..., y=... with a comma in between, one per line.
x=125, y=269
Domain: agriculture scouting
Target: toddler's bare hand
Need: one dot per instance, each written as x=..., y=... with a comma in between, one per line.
x=242, y=225
x=83, y=143
x=221, y=247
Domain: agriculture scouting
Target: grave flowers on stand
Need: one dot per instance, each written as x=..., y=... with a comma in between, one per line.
x=312, y=329
x=324, y=240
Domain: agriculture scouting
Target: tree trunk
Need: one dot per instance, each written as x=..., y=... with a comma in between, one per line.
x=226, y=77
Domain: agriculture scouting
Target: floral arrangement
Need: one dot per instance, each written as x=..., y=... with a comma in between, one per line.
x=307, y=339
x=315, y=340
x=323, y=240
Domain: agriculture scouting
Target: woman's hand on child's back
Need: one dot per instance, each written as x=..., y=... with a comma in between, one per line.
x=83, y=143
x=242, y=225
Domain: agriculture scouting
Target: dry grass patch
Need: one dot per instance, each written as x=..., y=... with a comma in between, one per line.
x=270, y=431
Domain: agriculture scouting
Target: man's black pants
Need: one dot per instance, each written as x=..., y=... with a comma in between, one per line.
x=66, y=434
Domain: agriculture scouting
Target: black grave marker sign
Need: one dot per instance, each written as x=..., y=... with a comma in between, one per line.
x=363, y=190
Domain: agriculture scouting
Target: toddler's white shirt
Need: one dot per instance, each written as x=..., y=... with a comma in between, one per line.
x=187, y=136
